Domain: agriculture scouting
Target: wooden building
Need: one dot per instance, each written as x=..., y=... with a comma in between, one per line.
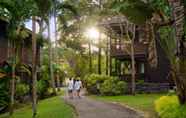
x=7, y=52
x=120, y=53
x=25, y=46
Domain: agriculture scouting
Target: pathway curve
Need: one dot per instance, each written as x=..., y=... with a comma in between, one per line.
x=90, y=108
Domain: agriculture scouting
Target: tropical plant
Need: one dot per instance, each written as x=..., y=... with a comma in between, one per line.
x=21, y=91
x=112, y=86
x=16, y=12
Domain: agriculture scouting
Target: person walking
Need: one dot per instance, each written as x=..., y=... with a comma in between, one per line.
x=77, y=87
x=70, y=88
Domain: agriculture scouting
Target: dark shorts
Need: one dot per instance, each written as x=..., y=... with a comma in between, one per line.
x=70, y=91
x=78, y=90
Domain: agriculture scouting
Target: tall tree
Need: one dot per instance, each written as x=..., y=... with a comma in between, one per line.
x=51, y=59
x=34, y=71
x=178, y=14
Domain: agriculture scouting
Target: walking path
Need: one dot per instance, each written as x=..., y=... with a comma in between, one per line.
x=90, y=108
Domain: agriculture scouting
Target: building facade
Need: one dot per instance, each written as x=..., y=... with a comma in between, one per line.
x=120, y=53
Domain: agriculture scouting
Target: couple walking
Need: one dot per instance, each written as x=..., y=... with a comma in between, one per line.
x=74, y=88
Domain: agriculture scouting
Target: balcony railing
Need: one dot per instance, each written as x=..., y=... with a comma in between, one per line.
x=124, y=49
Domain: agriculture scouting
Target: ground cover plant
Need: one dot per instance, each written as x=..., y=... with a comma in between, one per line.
x=49, y=108
x=169, y=107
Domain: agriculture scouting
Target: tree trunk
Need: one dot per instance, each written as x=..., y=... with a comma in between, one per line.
x=99, y=43
x=181, y=80
x=133, y=84
x=51, y=61
x=90, y=58
x=56, y=56
x=58, y=81
x=107, y=56
x=180, y=72
x=12, y=88
x=99, y=55
x=34, y=71
x=12, y=81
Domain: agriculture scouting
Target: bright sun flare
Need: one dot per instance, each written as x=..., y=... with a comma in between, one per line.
x=92, y=33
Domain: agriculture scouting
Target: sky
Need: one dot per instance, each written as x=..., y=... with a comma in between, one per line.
x=52, y=28
x=91, y=32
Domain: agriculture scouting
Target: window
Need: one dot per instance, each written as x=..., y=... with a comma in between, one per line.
x=142, y=68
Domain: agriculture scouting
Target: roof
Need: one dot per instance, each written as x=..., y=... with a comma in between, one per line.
x=116, y=24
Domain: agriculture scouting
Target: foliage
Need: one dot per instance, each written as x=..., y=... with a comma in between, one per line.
x=112, y=86
x=140, y=82
x=137, y=11
x=21, y=91
x=76, y=63
x=48, y=108
x=104, y=84
x=4, y=86
x=169, y=107
x=42, y=88
x=93, y=82
x=140, y=11
x=168, y=43
x=4, y=95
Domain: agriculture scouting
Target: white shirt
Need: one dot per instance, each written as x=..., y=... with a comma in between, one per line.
x=70, y=84
x=77, y=85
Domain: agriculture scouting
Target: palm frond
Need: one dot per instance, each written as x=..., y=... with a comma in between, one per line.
x=63, y=6
x=23, y=68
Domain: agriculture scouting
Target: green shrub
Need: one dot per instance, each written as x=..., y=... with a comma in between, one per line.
x=120, y=88
x=42, y=88
x=168, y=107
x=93, y=81
x=140, y=82
x=112, y=86
x=21, y=89
x=105, y=85
x=4, y=92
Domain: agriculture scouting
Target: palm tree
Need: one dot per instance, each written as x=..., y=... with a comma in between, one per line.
x=56, y=54
x=51, y=60
x=43, y=11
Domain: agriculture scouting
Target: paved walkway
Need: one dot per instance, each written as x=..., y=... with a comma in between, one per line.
x=90, y=108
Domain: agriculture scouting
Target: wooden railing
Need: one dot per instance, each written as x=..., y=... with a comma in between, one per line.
x=124, y=49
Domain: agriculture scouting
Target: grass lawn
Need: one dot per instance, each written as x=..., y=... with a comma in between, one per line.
x=49, y=108
x=143, y=102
